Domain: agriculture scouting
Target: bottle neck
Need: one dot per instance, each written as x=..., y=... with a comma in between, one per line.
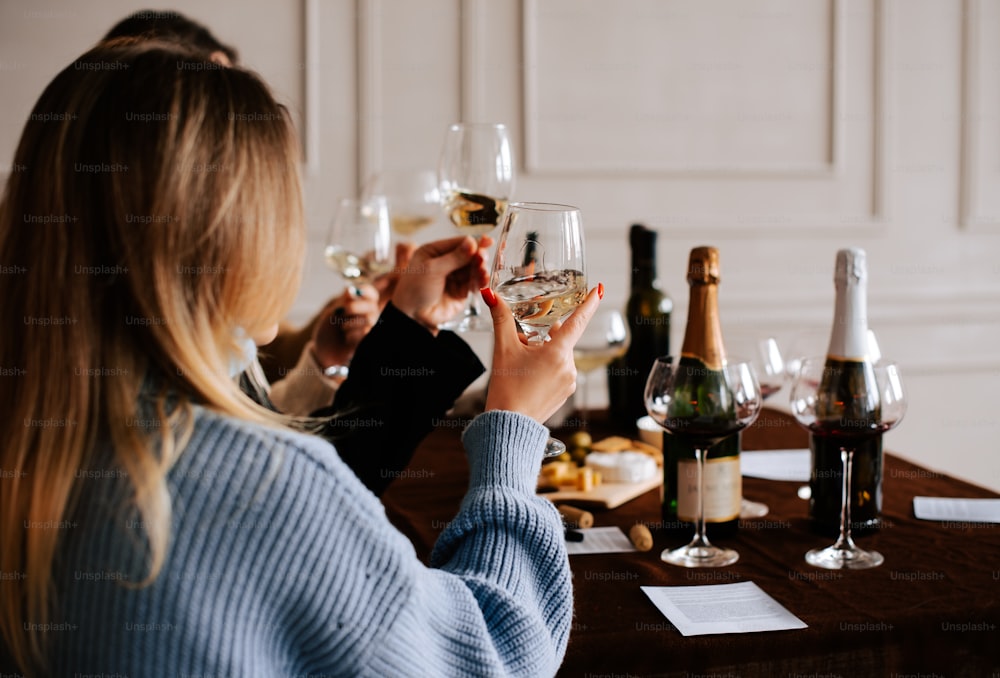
x=849, y=337
x=703, y=334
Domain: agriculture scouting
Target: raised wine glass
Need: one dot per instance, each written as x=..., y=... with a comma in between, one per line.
x=412, y=196
x=888, y=405
x=702, y=407
x=476, y=178
x=358, y=244
x=539, y=270
x=764, y=353
x=605, y=338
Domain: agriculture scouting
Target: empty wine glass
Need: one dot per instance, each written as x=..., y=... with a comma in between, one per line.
x=412, y=196
x=539, y=270
x=829, y=416
x=702, y=406
x=764, y=353
x=358, y=243
x=476, y=178
x=605, y=338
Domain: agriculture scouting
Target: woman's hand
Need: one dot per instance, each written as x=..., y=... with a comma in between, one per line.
x=534, y=379
x=343, y=323
x=433, y=285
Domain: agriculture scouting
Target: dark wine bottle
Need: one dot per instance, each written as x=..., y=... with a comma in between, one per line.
x=847, y=410
x=648, y=315
x=702, y=357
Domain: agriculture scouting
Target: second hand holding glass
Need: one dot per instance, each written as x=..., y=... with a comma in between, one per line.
x=538, y=270
x=702, y=406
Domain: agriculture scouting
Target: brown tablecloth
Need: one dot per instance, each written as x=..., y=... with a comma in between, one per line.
x=933, y=607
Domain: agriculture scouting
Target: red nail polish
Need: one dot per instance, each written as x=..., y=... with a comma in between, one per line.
x=488, y=296
x=600, y=290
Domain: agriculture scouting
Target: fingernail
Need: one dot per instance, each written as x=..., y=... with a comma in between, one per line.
x=488, y=296
x=600, y=290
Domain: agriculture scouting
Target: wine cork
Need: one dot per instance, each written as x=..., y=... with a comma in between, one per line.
x=576, y=518
x=640, y=537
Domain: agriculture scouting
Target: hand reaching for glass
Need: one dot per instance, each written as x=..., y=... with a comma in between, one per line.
x=343, y=323
x=433, y=286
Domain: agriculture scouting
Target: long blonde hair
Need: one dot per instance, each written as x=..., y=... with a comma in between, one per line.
x=153, y=217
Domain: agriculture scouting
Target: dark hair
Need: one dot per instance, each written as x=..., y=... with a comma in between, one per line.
x=172, y=26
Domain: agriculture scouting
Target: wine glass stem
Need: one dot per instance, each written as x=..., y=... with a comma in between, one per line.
x=844, y=541
x=701, y=539
x=472, y=308
x=581, y=379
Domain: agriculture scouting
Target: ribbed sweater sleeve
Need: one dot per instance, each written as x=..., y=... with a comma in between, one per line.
x=282, y=564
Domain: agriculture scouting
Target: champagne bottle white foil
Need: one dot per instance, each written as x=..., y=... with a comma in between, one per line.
x=846, y=400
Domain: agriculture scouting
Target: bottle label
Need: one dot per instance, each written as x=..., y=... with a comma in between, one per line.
x=723, y=490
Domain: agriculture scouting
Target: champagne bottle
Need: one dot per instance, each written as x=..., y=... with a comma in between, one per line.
x=702, y=356
x=648, y=315
x=847, y=403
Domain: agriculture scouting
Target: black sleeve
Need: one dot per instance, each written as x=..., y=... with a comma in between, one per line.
x=402, y=378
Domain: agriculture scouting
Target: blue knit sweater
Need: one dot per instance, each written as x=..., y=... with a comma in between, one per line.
x=282, y=564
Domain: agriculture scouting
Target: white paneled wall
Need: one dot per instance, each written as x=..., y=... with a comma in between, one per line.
x=777, y=130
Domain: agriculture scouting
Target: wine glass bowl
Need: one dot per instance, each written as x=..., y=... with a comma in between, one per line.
x=701, y=405
x=871, y=405
x=767, y=358
x=538, y=270
x=476, y=179
x=605, y=338
x=358, y=243
x=413, y=198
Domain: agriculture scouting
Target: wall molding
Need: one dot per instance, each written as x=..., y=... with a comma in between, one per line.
x=971, y=180
x=831, y=168
x=311, y=88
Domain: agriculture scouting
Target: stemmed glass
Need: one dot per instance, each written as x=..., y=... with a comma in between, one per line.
x=765, y=355
x=476, y=178
x=539, y=270
x=605, y=338
x=702, y=407
x=412, y=196
x=889, y=402
x=357, y=246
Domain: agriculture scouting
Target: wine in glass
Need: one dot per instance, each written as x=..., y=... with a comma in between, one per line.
x=357, y=246
x=412, y=196
x=476, y=179
x=765, y=355
x=605, y=338
x=847, y=402
x=701, y=406
x=539, y=270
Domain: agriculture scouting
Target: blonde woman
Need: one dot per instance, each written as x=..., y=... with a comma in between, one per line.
x=156, y=521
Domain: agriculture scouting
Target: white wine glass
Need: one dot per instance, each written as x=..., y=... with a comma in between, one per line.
x=701, y=407
x=358, y=244
x=765, y=354
x=476, y=179
x=412, y=196
x=605, y=338
x=539, y=272
x=887, y=406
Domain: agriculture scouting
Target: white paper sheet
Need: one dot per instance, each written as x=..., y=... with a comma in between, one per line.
x=721, y=608
x=791, y=465
x=600, y=540
x=957, y=510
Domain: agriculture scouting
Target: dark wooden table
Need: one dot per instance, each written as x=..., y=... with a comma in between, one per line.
x=933, y=607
